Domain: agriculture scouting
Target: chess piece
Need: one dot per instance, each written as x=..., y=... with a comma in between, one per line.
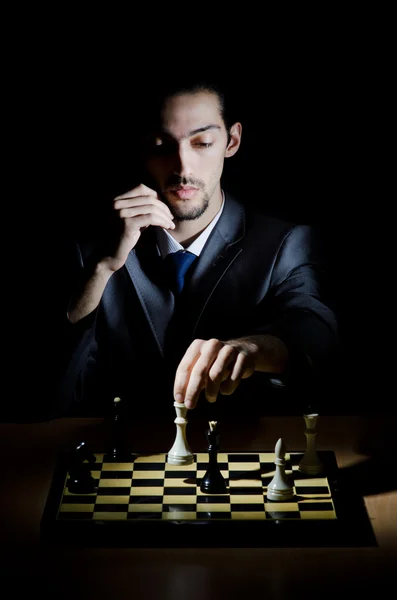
x=280, y=488
x=213, y=481
x=180, y=453
x=310, y=464
x=80, y=479
x=116, y=450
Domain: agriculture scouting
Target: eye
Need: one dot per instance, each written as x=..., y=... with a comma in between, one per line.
x=203, y=145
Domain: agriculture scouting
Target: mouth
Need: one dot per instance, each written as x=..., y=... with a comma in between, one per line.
x=183, y=192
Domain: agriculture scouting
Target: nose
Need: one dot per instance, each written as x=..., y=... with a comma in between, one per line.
x=183, y=161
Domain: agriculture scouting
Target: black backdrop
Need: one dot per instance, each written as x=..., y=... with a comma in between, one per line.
x=314, y=149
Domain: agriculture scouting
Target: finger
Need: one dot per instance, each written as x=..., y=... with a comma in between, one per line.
x=143, y=201
x=133, y=211
x=136, y=211
x=228, y=387
x=243, y=367
x=199, y=374
x=219, y=371
x=150, y=219
x=139, y=190
x=184, y=369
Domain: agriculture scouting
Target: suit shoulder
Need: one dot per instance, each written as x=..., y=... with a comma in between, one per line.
x=262, y=223
x=264, y=232
x=256, y=219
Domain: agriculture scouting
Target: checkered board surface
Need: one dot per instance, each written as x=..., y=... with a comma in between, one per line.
x=143, y=501
x=147, y=488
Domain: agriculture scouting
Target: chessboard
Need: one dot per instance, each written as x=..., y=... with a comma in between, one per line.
x=143, y=501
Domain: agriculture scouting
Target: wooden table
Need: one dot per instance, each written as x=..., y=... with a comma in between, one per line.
x=365, y=446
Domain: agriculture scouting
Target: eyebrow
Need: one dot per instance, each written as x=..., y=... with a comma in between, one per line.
x=194, y=131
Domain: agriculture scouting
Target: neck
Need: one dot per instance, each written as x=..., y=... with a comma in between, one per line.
x=186, y=232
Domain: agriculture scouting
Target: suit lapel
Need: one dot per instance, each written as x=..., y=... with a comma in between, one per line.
x=218, y=254
x=144, y=267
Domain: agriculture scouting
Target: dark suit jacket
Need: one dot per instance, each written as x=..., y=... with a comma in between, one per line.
x=256, y=274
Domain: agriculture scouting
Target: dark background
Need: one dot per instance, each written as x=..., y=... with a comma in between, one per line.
x=315, y=149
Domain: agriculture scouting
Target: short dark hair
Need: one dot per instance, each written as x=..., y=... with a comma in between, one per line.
x=157, y=93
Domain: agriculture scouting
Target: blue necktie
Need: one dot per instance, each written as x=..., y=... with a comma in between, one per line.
x=176, y=265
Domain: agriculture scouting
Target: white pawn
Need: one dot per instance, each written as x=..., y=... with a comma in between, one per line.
x=180, y=453
x=280, y=488
x=311, y=463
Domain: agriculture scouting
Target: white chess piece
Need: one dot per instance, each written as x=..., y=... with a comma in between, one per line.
x=180, y=453
x=280, y=488
x=310, y=463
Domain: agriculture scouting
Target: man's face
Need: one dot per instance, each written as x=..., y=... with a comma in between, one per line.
x=184, y=159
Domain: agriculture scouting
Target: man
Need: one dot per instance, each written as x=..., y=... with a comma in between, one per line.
x=251, y=304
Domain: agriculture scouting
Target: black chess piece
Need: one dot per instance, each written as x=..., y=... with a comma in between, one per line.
x=213, y=481
x=80, y=479
x=117, y=449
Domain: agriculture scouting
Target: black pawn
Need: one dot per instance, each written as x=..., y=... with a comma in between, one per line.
x=80, y=479
x=213, y=481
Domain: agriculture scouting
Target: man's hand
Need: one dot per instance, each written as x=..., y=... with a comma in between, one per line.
x=216, y=366
x=137, y=209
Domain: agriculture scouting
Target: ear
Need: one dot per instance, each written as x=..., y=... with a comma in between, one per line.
x=235, y=140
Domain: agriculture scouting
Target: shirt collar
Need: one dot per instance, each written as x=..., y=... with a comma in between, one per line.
x=167, y=244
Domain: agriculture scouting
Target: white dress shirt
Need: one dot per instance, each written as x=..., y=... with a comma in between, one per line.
x=167, y=244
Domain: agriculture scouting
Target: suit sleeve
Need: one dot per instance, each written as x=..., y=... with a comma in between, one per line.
x=298, y=307
x=78, y=355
